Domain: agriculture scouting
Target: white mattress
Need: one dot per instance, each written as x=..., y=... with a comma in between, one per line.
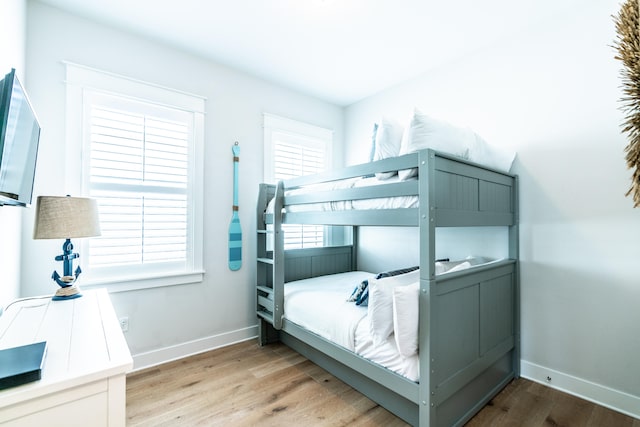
x=319, y=305
x=363, y=204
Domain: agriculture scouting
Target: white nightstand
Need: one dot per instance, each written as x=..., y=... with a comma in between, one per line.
x=84, y=376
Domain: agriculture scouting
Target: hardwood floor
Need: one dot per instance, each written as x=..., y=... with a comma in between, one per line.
x=248, y=385
x=525, y=403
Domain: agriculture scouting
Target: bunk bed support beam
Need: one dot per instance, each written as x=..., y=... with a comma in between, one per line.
x=427, y=224
x=514, y=253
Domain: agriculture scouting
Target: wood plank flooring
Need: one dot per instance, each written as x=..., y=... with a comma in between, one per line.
x=248, y=385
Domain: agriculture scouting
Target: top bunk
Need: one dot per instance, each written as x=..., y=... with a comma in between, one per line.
x=448, y=191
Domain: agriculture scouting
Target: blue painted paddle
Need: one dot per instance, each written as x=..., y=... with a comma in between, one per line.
x=235, y=231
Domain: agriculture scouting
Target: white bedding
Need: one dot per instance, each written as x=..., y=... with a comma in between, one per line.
x=386, y=354
x=320, y=305
x=363, y=204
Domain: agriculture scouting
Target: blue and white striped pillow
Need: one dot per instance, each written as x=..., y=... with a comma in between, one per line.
x=360, y=294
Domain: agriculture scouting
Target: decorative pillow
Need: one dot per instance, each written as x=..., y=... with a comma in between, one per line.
x=446, y=266
x=462, y=266
x=360, y=294
x=396, y=272
x=387, y=144
x=427, y=132
x=363, y=299
x=405, y=318
x=380, y=308
x=477, y=260
x=358, y=291
x=481, y=152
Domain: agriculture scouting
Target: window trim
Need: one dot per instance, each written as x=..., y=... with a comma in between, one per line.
x=79, y=80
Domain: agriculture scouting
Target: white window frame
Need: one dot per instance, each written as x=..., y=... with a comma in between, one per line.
x=84, y=82
x=302, y=133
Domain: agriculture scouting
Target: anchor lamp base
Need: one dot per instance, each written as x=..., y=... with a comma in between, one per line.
x=68, y=292
x=68, y=289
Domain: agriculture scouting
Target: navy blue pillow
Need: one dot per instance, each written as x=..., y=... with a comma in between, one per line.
x=396, y=272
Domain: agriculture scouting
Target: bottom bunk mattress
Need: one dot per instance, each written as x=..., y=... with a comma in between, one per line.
x=321, y=305
x=374, y=315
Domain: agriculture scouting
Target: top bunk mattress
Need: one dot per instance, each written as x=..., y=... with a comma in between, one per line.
x=460, y=193
x=395, y=202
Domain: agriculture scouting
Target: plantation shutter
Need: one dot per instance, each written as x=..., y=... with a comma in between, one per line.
x=139, y=170
x=293, y=149
x=292, y=160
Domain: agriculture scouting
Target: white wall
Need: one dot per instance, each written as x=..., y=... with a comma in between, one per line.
x=167, y=322
x=552, y=96
x=12, y=47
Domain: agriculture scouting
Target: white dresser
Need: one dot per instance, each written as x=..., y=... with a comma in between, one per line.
x=84, y=375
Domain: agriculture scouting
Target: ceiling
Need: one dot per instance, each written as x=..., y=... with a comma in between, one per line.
x=337, y=50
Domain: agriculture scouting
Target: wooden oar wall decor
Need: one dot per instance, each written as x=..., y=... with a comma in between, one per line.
x=235, y=231
x=627, y=44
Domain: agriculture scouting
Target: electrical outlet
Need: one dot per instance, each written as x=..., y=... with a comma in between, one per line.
x=124, y=323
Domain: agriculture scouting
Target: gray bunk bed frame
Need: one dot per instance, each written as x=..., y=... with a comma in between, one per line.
x=469, y=331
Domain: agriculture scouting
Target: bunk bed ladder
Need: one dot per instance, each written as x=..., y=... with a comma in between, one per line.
x=270, y=265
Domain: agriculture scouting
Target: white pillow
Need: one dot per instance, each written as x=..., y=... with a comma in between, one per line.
x=380, y=309
x=426, y=132
x=447, y=266
x=405, y=318
x=460, y=267
x=481, y=152
x=372, y=150
x=388, y=139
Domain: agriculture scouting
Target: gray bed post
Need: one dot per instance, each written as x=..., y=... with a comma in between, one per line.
x=427, y=221
x=354, y=247
x=514, y=253
x=278, y=257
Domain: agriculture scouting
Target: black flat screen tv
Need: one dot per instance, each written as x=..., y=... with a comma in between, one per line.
x=19, y=139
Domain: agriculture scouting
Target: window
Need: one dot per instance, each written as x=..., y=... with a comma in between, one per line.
x=141, y=159
x=295, y=149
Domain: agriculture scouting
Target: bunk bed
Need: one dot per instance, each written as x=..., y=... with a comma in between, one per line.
x=468, y=336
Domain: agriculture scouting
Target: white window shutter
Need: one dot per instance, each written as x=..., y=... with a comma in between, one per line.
x=297, y=149
x=139, y=172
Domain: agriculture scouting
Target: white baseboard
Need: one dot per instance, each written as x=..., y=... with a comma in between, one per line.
x=613, y=399
x=168, y=354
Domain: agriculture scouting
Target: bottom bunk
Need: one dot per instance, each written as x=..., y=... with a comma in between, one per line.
x=467, y=337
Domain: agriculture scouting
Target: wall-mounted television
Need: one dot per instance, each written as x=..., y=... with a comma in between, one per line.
x=19, y=138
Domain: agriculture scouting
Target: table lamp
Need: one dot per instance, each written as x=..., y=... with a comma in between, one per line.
x=59, y=217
